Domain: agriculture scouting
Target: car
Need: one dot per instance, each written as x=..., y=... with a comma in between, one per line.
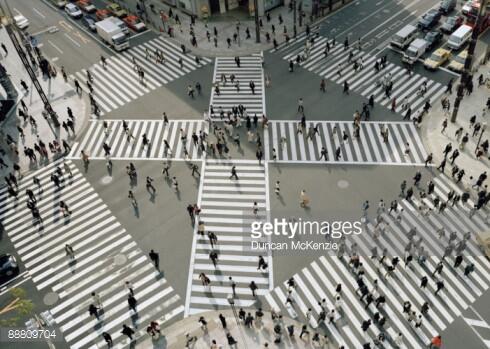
x=102, y=14
x=73, y=11
x=467, y=7
x=117, y=10
x=86, y=6
x=89, y=22
x=135, y=23
x=451, y=24
x=429, y=20
x=8, y=265
x=457, y=63
x=60, y=3
x=21, y=22
x=433, y=38
x=437, y=58
x=447, y=6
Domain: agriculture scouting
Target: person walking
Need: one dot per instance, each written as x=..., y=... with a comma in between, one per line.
x=97, y=300
x=69, y=251
x=93, y=311
x=155, y=258
x=253, y=287
x=127, y=331
x=108, y=339
x=234, y=173
x=132, y=302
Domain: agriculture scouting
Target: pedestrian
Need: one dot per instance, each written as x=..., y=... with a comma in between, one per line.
x=93, y=310
x=132, y=302
x=97, y=300
x=234, y=173
x=108, y=339
x=127, y=331
x=253, y=287
x=222, y=319
x=69, y=251
x=155, y=258
x=130, y=287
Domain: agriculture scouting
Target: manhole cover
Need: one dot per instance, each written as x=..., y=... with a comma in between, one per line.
x=120, y=259
x=50, y=298
x=106, y=180
x=342, y=184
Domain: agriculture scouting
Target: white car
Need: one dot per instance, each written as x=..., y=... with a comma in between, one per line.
x=73, y=11
x=21, y=22
x=467, y=7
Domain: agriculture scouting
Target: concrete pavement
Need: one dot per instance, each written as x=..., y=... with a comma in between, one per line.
x=471, y=105
x=60, y=94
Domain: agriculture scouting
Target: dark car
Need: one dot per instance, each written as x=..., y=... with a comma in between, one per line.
x=451, y=24
x=447, y=6
x=429, y=20
x=433, y=38
x=89, y=22
x=8, y=265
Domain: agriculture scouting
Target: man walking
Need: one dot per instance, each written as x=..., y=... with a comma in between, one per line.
x=155, y=258
x=234, y=173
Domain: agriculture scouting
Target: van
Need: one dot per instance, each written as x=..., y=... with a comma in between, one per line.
x=483, y=238
x=416, y=49
x=460, y=37
x=404, y=37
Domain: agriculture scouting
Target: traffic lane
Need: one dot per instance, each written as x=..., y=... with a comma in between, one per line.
x=367, y=19
x=462, y=334
x=70, y=46
x=390, y=23
x=7, y=247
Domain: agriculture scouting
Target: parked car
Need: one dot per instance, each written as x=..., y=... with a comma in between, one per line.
x=8, y=265
x=21, y=22
x=451, y=24
x=135, y=23
x=89, y=22
x=102, y=14
x=437, y=58
x=447, y=6
x=117, y=10
x=73, y=11
x=433, y=38
x=429, y=20
x=86, y=6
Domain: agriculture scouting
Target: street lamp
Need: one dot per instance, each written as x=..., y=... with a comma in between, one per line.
x=483, y=128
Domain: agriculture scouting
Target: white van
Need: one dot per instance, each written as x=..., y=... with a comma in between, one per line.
x=459, y=37
x=404, y=37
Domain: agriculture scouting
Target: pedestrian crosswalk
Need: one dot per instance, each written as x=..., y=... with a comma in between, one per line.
x=250, y=70
x=337, y=66
x=227, y=210
x=118, y=83
x=288, y=144
x=180, y=136
x=319, y=280
x=105, y=257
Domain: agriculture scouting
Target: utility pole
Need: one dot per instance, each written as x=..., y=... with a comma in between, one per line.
x=295, y=31
x=30, y=71
x=466, y=76
x=257, y=27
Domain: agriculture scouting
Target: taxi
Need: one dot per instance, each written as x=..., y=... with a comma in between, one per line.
x=86, y=6
x=437, y=58
x=117, y=10
x=457, y=63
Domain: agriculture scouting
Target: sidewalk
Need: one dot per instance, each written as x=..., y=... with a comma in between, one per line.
x=471, y=105
x=60, y=94
x=226, y=26
x=250, y=338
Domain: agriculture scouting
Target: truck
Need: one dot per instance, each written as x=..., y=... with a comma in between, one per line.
x=112, y=34
x=120, y=24
x=415, y=51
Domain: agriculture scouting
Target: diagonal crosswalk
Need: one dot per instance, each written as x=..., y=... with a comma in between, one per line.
x=227, y=211
x=118, y=83
x=338, y=67
x=230, y=96
x=292, y=144
x=106, y=256
x=180, y=136
x=318, y=280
